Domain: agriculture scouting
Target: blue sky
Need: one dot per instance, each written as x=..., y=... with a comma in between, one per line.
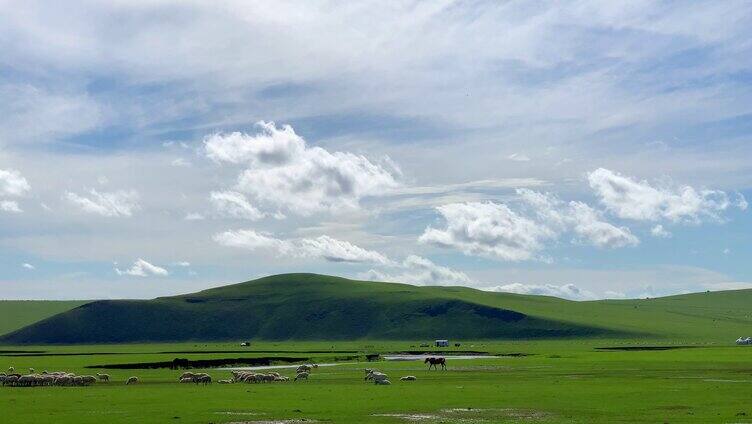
x=584, y=150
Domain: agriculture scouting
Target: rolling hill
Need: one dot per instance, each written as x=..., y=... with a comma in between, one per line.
x=15, y=314
x=318, y=307
x=294, y=307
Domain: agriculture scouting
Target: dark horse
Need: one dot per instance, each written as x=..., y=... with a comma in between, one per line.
x=435, y=362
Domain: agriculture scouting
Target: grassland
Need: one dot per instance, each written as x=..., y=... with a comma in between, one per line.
x=554, y=382
x=340, y=309
x=15, y=314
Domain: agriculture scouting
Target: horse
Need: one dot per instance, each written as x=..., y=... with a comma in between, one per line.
x=435, y=362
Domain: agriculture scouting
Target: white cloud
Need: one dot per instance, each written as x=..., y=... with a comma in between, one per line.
x=181, y=162
x=518, y=157
x=141, y=268
x=183, y=264
x=10, y=206
x=639, y=200
x=495, y=230
x=419, y=271
x=488, y=229
x=323, y=247
x=741, y=202
x=110, y=204
x=235, y=205
x=659, y=231
x=28, y=266
x=284, y=172
x=588, y=224
x=566, y=291
x=12, y=183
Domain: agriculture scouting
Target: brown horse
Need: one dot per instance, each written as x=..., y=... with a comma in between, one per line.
x=435, y=362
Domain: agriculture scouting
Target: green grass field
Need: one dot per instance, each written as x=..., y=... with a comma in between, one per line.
x=558, y=381
x=702, y=377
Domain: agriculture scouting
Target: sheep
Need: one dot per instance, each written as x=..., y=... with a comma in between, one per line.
x=11, y=380
x=186, y=374
x=131, y=380
x=302, y=376
x=383, y=382
x=206, y=379
x=304, y=368
x=186, y=380
x=103, y=377
x=88, y=379
x=375, y=375
x=11, y=370
x=408, y=378
x=224, y=381
x=31, y=370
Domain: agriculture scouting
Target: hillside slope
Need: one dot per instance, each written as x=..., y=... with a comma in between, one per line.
x=296, y=307
x=15, y=314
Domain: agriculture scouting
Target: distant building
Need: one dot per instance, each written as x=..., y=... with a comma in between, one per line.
x=442, y=343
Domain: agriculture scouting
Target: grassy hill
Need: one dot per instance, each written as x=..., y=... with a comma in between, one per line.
x=317, y=307
x=15, y=314
x=295, y=307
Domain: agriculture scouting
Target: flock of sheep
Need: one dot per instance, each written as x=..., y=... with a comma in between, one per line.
x=55, y=378
x=60, y=378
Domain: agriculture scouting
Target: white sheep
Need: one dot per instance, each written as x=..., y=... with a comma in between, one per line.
x=11, y=370
x=224, y=381
x=131, y=380
x=103, y=377
x=186, y=380
x=304, y=368
x=375, y=375
x=383, y=382
x=302, y=376
x=408, y=378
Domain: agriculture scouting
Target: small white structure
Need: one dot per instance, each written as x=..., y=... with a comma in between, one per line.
x=744, y=341
x=442, y=343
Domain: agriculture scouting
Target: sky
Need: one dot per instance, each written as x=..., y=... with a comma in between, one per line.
x=581, y=149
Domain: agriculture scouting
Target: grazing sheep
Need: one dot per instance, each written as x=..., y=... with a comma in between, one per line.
x=186, y=380
x=131, y=380
x=11, y=370
x=186, y=375
x=88, y=380
x=375, y=375
x=408, y=378
x=11, y=380
x=224, y=381
x=383, y=382
x=302, y=376
x=304, y=368
x=103, y=377
x=205, y=379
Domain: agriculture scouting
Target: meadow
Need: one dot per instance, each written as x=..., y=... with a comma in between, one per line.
x=546, y=381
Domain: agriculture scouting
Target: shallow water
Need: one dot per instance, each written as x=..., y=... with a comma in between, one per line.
x=385, y=357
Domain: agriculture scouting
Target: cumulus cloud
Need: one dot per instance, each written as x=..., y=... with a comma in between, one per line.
x=495, y=230
x=566, y=291
x=419, y=271
x=639, y=200
x=323, y=247
x=284, y=172
x=142, y=268
x=659, y=231
x=12, y=183
x=235, y=205
x=10, y=206
x=110, y=204
x=28, y=266
x=489, y=229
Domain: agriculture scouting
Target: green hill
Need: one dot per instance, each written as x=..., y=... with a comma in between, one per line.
x=15, y=314
x=317, y=307
x=296, y=307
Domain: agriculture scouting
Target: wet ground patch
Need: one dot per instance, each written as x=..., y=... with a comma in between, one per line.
x=644, y=348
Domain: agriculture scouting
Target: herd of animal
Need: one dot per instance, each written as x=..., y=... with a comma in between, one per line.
x=61, y=378
x=744, y=341
x=45, y=378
